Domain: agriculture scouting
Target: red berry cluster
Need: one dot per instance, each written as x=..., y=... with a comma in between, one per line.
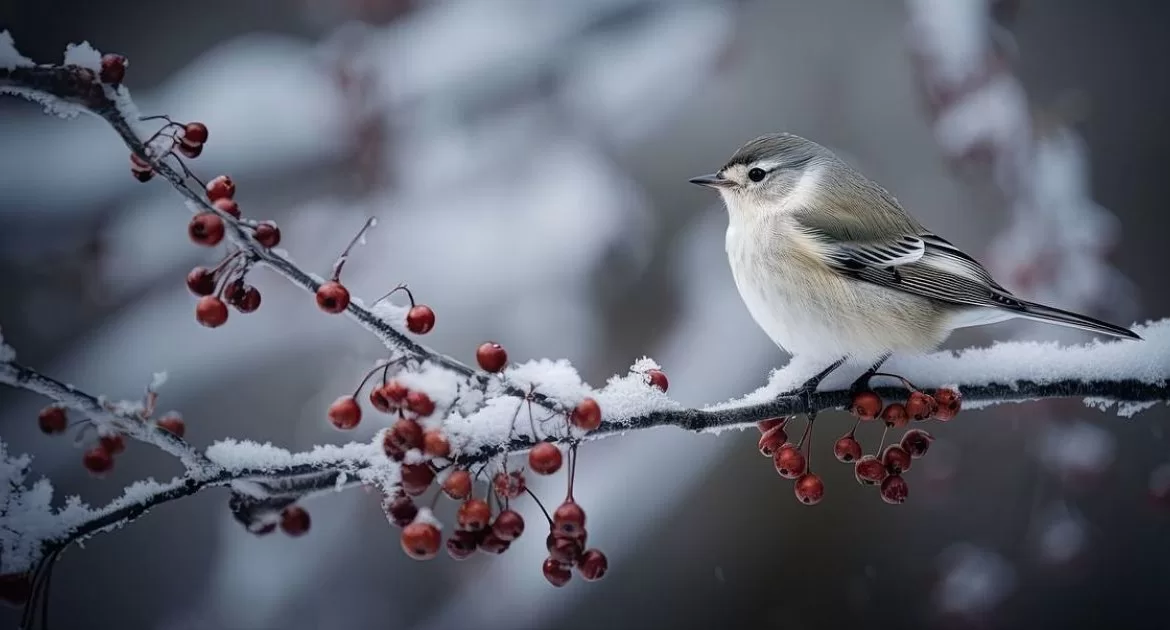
x=186, y=140
x=98, y=457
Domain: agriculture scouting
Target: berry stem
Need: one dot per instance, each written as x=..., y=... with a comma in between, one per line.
x=905, y=383
x=348, y=248
x=401, y=287
x=385, y=367
x=539, y=504
x=882, y=443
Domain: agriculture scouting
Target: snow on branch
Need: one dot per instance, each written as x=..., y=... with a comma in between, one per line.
x=449, y=424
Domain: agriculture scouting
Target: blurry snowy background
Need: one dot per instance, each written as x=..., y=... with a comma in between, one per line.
x=527, y=161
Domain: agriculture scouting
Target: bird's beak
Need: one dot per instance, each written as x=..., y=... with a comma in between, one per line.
x=714, y=180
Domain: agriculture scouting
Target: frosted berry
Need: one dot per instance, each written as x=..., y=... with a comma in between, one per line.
x=772, y=440
x=586, y=415
x=896, y=459
x=789, y=461
x=416, y=478
x=491, y=356
x=592, y=565
x=400, y=510
x=190, y=150
x=916, y=442
x=809, y=489
x=420, y=404
x=545, y=458
x=332, y=297
x=569, y=520
x=436, y=444
x=233, y=293
x=201, y=281
x=865, y=405
x=474, y=515
x=457, y=485
x=403, y=436
x=114, y=443
x=249, y=300
x=345, y=413
x=421, y=541
x=493, y=544
x=509, y=525
x=205, y=229
x=949, y=403
x=98, y=460
x=765, y=425
x=379, y=401
x=220, y=188
x=657, y=378
x=227, y=206
x=461, y=544
x=920, y=406
x=395, y=392
x=420, y=319
x=847, y=449
x=556, y=573
x=509, y=485
x=211, y=311
x=564, y=549
x=267, y=234
x=895, y=416
x=869, y=470
x=113, y=68
x=895, y=490
x=194, y=133
x=52, y=420
x=173, y=423
x=294, y=520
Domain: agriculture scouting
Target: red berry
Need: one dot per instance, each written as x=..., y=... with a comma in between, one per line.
x=113, y=443
x=113, y=68
x=772, y=440
x=249, y=300
x=332, y=297
x=436, y=444
x=420, y=404
x=205, y=229
x=416, y=478
x=895, y=490
x=194, y=133
x=395, y=392
x=267, y=234
x=400, y=510
x=461, y=544
x=809, y=489
x=569, y=520
x=227, y=205
x=457, y=485
x=865, y=405
x=949, y=403
x=493, y=544
x=294, y=520
x=895, y=416
x=896, y=459
x=201, y=281
x=491, y=356
x=15, y=589
x=789, y=461
x=98, y=460
x=564, y=549
x=421, y=541
x=345, y=413
x=556, y=573
x=420, y=319
x=211, y=311
x=403, y=436
x=474, y=515
x=233, y=293
x=509, y=525
x=869, y=470
x=173, y=423
x=379, y=401
x=765, y=425
x=592, y=565
x=657, y=378
x=190, y=150
x=916, y=442
x=221, y=187
x=920, y=406
x=847, y=449
x=586, y=415
x=510, y=485
x=545, y=458
x=52, y=420
x=142, y=176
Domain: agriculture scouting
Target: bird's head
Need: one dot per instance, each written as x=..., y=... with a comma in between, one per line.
x=767, y=174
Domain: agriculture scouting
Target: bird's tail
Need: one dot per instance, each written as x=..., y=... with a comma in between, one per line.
x=1042, y=313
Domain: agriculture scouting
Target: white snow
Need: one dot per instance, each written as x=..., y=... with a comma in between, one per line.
x=7, y=352
x=158, y=379
x=10, y=58
x=238, y=455
x=83, y=55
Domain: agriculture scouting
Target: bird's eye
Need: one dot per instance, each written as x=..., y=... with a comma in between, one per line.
x=756, y=174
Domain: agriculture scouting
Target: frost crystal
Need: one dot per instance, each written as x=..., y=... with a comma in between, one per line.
x=83, y=55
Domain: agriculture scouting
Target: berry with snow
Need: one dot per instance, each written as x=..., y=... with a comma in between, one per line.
x=916, y=442
x=949, y=403
x=332, y=297
x=114, y=443
x=345, y=413
x=52, y=420
x=569, y=520
x=113, y=68
x=564, y=549
x=509, y=485
x=205, y=229
x=865, y=405
x=869, y=470
x=556, y=573
x=461, y=545
x=586, y=415
x=474, y=515
x=190, y=150
x=420, y=404
x=493, y=544
x=894, y=490
x=294, y=520
x=221, y=187
x=509, y=525
x=436, y=444
x=920, y=405
x=545, y=458
x=457, y=485
x=809, y=489
x=201, y=281
x=896, y=459
x=592, y=565
x=657, y=378
x=416, y=478
x=401, y=510
x=772, y=440
x=267, y=234
x=211, y=311
x=403, y=436
x=789, y=461
x=420, y=540
x=97, y=460
x=420, y=319
x=491, y=356
x=847, y=449
x=895, y=416
x=173, y=423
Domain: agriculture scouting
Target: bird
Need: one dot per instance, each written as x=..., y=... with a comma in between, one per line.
x=833, y=269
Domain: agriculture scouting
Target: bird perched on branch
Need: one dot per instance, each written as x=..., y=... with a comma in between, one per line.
x=832, y=267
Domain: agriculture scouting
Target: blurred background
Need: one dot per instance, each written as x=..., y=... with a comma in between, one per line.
x=527, y=162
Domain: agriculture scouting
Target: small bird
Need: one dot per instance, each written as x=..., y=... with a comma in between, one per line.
x=832, y=268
